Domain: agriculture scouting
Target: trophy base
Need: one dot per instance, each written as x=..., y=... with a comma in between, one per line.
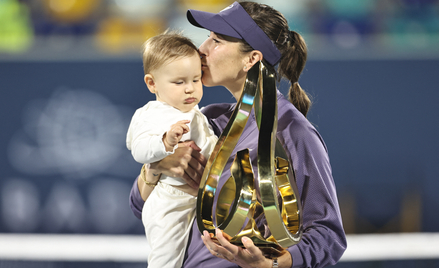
x=269, y=250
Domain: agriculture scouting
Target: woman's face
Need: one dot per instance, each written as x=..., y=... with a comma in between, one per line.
x=222, y=62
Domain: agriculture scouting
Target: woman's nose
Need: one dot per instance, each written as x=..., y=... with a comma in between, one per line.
x=203, y=49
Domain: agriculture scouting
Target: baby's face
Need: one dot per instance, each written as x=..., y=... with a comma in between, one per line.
x=178, y=83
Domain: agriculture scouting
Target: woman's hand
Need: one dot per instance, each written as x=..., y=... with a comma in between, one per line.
x=250, y=256
x=186, y=162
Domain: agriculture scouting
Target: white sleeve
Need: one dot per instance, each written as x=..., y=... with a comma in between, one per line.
x=149, y=148
x=145, y=138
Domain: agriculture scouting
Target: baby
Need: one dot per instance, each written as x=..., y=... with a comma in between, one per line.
x=172, y=69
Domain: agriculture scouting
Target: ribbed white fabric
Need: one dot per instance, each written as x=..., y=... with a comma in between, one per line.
x=167, y=215
x=152, y=121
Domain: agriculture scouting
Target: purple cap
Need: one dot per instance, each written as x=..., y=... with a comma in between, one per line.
x=234, y=21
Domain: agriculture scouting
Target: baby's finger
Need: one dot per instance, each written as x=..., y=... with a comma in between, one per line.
x=185, y=128
x=183, y=122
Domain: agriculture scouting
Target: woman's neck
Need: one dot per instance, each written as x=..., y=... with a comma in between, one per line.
x=236, y=88
x=237, y=94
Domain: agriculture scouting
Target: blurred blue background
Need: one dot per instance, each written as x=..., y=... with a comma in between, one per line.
x=71, y=77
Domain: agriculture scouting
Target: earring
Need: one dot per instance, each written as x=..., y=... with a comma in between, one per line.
x=245, y=67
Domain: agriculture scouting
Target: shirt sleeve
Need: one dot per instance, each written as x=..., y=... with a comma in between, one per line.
x=145, y=137
x=323, y=240
x=136, y=201
x=148, y=149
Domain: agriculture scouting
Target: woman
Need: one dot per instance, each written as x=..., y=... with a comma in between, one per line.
x=241, y=35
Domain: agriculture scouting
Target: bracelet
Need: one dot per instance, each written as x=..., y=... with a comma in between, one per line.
x=142, y=176
x=275, y=263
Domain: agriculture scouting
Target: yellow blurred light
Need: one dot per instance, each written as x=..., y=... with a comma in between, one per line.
x=61, y=6
x=71, y=10
x=118, y=35
x=206, y=5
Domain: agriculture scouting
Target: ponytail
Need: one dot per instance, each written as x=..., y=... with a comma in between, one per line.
x=299, y=98
x=291, y=66
x=289, y=43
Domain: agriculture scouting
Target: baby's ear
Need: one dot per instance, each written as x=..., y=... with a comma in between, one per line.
x=149, y=81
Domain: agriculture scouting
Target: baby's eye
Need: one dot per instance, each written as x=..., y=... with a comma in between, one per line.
x=178, y=83
x=196, y=80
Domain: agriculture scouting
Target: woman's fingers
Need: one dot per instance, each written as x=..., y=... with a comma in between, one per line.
x=250, y=247
x=195, y=163
x=247, y=256
x=215, y=249
x=196, y=166
x=224, y=239
x=210, y=245
x=230, y=251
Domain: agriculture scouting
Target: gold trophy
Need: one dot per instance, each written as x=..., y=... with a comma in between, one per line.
x=240, y=200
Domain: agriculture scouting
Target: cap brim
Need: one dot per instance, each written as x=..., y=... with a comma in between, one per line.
x=212, y=22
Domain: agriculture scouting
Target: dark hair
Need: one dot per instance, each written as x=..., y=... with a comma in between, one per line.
x=289, y=43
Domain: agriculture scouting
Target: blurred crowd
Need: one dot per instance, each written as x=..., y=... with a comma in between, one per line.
x=120, y=26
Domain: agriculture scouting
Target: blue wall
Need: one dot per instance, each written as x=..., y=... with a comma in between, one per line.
x=64, y=167
x=380, y=122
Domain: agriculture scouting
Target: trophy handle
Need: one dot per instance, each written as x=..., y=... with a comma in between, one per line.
x=275, y=173
x=237, y=200
x=223, y=150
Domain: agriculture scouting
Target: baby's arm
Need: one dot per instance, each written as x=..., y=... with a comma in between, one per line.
x=174, y=134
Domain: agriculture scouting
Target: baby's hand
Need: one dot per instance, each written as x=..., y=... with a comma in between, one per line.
x=174, y=134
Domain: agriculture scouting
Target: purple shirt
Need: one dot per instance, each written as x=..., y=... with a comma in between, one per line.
x=323, y=241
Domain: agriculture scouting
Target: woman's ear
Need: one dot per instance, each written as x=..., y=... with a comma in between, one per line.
x=254, y=57
x=149, y=81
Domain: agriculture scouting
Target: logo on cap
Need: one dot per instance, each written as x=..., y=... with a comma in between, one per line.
x=229, y=7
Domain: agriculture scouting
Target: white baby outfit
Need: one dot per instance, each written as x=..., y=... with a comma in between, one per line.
x=168, y=213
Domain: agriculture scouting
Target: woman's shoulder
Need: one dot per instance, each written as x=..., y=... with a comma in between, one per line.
x=295, y=125
x=288, y=113
x=218, y=115
x=216, y=110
